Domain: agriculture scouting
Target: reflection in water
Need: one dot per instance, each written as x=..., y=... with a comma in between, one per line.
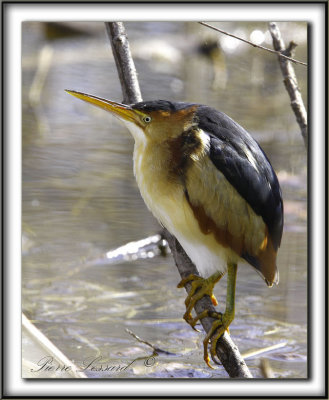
x=80, y=200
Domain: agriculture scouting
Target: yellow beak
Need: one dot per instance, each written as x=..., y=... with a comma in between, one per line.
x=122, y=111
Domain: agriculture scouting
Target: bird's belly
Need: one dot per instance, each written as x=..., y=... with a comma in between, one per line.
x=167, y=201
x=206, y=253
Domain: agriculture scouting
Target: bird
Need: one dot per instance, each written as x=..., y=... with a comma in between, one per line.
x=210, y=184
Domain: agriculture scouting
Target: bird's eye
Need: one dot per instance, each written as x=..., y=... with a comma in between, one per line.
x=147, y=119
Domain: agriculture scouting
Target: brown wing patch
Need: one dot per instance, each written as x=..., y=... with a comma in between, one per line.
x=265, y=258
x=222, y=235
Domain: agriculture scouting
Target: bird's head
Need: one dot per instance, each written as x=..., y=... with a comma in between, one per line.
x=150, y=121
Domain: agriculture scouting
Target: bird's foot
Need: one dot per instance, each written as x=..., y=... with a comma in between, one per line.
x=199, y=288
x=218, y=328
x=221, y=323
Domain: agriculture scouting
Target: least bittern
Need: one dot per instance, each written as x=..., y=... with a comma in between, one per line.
x=211, y=185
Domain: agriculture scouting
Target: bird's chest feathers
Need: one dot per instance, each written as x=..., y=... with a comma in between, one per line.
x=160, y=188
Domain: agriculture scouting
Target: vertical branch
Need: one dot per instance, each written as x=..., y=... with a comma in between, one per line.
x=226, y=350
x=290, y=80
x=124, y=62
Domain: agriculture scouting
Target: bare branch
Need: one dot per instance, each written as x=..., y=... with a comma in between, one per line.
x=124, y=62
x=254, y=45
x=290, y=80
x=227, y=352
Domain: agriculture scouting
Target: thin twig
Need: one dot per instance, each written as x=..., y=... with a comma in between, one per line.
x=227, y=352
x=156, y=350
x=290, y=80
x=254, y=45
x=140, y=340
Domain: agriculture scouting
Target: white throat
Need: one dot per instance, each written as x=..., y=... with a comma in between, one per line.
x=137, y=133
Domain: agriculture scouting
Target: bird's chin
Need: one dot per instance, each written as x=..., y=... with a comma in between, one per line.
x=137, y=132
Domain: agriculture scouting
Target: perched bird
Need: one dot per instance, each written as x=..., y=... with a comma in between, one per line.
x=211, y=185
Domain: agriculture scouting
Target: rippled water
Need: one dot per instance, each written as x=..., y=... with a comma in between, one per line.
x=80, y=200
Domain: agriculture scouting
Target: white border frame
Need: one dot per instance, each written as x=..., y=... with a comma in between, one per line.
x=14, y=14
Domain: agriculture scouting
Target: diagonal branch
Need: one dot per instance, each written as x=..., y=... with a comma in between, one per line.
x=254, y=44
x=227, y=351
x=290, y=80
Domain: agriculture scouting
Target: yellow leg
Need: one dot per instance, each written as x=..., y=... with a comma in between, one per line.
x=224, y=320
x=200, y=287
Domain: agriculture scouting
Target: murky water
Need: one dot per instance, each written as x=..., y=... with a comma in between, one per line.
x=80, y=200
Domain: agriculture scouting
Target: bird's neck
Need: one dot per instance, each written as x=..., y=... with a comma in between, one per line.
x=153, y=166
x=159, y=187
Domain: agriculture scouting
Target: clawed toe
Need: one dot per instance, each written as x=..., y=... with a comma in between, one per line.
x=199, y=288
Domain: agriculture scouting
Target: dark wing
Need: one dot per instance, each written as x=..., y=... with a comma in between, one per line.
x=244, y=164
